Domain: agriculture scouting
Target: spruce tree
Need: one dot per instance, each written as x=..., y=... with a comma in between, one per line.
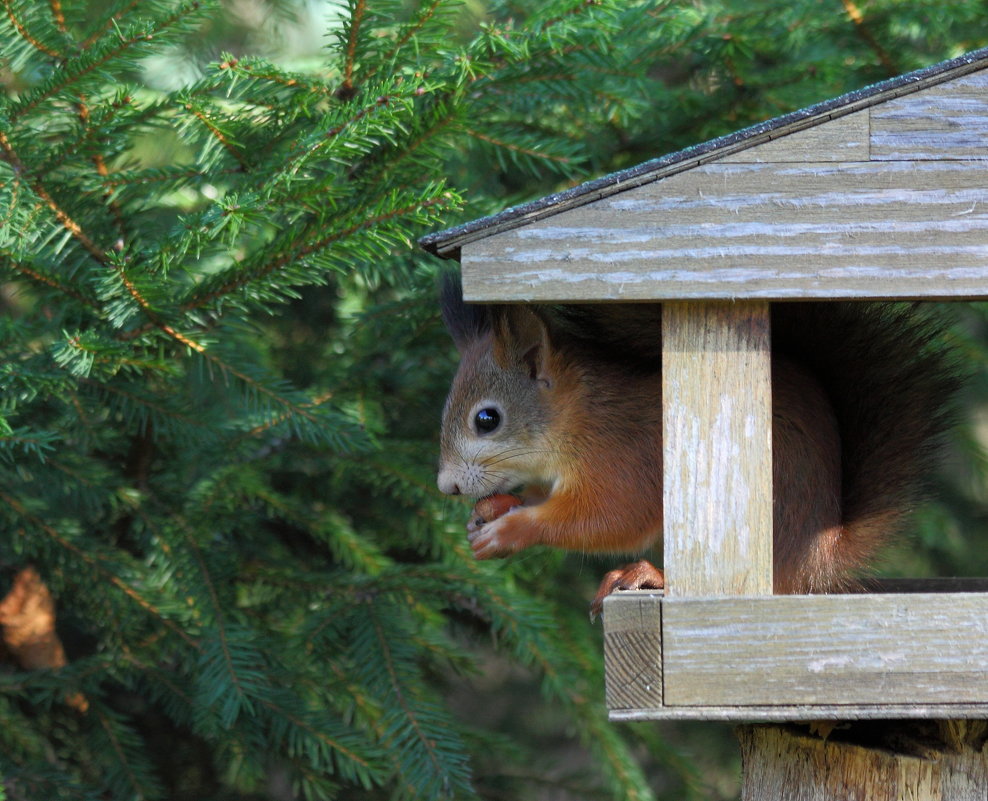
x=221, y=371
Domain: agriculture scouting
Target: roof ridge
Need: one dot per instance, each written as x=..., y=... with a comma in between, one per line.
x=447, y=243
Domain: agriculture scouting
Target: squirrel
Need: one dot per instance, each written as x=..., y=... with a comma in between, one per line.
x=554, y=421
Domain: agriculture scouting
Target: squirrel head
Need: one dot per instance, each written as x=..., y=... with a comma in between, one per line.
x=497, y=414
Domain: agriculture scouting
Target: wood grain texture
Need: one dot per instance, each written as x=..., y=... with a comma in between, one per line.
x=941, y=584
x=782, y=712
x=827, y=657
x=842, y=139
x=826, y=649
x=925, y=761
x=946, y=122
x=771, y=231
x=717, y=448
x=729, y=148
x=633, y=652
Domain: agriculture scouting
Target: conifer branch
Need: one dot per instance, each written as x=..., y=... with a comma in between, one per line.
x=395, y=682
x=47, y=280
x=411, y=150
x=99, y=162
x=121, y=14
x=217, y=134
x=321, y=736
x=510, y=146
x=579, y=8
x=218, y=615
x=382, y=100
x=346, y=88
x=95, y=563
x=124, y=44
x=149, y=178
x=408, y=34
x=285, y=416
x=159, y=674
x=282, y=260
x=115, y=390
x=66, y=221
x=289, y=82
x=861, y=28
x=75, y=475
x=121, y=756
x=293, y=408
x=26, y=34
x=158, y=323
x=336, y=130
x=76, y=343
x=58, y=15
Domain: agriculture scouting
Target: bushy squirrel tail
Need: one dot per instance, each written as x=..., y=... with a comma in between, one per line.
x=887, y=370
x=892, y=381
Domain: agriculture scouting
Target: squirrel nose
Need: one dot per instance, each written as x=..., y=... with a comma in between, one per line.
x=447, y=484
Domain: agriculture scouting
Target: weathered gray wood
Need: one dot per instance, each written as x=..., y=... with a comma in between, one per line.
x=925, y=761
x=781, y=712
x=774, y=231
x=843, y=139
x=840, y=657
x=919, y=585
x=944, y=79
x=632, y=652
x=717, y=448
x=826, y=649
x=949, y=121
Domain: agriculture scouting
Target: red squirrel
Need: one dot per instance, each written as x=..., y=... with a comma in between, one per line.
x=554, y=421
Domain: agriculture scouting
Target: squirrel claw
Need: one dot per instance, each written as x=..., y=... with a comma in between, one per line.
x=482, y=528
x=641, y=575
x=483, y=540
x=490, y=508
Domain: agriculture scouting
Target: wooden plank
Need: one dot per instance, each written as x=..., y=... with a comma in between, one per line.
x=919, y=585
x=717, y=448
x=783, y=712
x=449, y=243
x=948, y=121
x=826, y=649
x=842, y=139
x=755, y=231
x=931, y=761
x=633, y=652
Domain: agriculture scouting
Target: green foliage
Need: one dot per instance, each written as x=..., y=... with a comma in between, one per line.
x=221, y=370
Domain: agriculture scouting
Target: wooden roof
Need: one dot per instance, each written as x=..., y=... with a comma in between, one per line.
x=880, y=192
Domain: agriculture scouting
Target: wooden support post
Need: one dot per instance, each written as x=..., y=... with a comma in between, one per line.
x=717, y=434
x=934, y=760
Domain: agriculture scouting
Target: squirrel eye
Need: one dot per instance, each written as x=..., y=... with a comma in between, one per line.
x=487, y=420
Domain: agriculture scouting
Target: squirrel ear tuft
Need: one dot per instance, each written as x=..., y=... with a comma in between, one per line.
x=521, y=338
x=466, y=322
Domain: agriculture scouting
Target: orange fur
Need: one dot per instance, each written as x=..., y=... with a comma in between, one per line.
x=858, y=401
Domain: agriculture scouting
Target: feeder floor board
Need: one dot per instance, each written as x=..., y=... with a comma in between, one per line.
x=786, y=657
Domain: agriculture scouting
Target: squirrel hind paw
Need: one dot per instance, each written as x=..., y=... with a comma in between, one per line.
x=641, y=575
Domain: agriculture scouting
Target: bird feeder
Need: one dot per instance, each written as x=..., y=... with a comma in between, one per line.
x=878, y=194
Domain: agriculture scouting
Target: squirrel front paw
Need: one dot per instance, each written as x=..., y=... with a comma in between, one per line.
x=510, y=533
x=492, y=507
x=482, y=531
x=487, y=541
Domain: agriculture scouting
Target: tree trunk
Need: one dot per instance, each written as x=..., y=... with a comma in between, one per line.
x=880, y=760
